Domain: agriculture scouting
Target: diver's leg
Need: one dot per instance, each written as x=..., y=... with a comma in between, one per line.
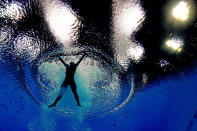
x=55, y=102
x=61, y=92
x=74, y=90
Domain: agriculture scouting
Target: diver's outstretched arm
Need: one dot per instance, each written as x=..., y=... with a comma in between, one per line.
x=66, y=65
x=80, y=60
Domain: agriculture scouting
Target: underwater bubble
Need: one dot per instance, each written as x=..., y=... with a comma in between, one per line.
x=5, y=34
x=99, y=86
x=26, y=46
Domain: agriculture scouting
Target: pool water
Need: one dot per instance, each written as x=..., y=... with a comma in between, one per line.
x=167, y=104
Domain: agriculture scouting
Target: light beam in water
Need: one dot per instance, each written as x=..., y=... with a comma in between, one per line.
x=136, y=53
x=62, y=21
x=128, y=17
x=181, y=11
x=174, y=45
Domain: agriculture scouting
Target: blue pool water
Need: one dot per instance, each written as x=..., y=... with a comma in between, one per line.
x=167, y=104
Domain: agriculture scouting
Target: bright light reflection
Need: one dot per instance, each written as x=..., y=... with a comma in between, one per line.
x=174, y=44
x=181, y=11
x=62, y=21
x=163, y=63
x=136, y=52
x=129, y=17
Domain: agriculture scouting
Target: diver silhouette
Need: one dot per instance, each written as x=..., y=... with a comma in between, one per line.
x=69, y=80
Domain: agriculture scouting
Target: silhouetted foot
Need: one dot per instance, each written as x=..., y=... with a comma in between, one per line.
x=78, y=105
x=52, y=105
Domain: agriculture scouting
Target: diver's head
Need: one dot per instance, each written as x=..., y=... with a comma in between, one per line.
x=72, y=63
